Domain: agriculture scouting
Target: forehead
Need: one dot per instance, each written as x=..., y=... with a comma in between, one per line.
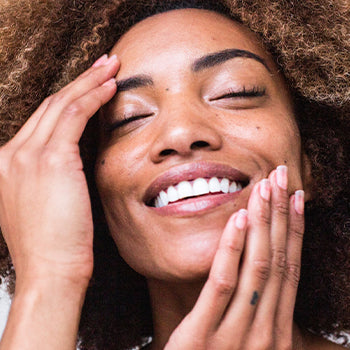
x=183, y=35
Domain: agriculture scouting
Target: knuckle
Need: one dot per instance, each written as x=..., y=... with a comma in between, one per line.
x=292, y=274
x=56, y=98
x=263, y=217
x=20, y=158
x=73, y=109
x=262, y=269
x=233, y=248
x=51, y=159
x=223, y=285
x=278, y=263
x=297, y=232
x=282, y=208
x=48, y=99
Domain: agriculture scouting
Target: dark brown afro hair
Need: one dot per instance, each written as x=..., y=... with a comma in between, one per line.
x=46, y=44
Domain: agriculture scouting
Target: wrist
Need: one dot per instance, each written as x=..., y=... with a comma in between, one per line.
x=44, y=313
x=57, y=285
x=73, y=276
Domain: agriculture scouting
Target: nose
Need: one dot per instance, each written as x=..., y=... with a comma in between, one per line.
x=183, y=132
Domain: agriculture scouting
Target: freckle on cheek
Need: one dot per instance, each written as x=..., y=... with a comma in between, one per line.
x=103, y=161
x=258, y=127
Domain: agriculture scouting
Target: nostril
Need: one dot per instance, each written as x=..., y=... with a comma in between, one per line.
x=199, y=144
x=167, y=152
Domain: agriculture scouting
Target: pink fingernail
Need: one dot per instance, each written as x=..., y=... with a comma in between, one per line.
x=241, y=219
x=282, y=177
x=100, y=61
x=109, y=82
x=299, y=203
x=111, y=59
x=265, y=189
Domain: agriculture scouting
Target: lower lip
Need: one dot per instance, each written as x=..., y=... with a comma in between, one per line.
x=197, y=205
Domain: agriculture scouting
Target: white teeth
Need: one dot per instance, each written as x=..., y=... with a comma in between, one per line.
x=233, y=187
x=184, y=189
x=172, y=194
x=164, y=198
x=214, y=185
x=225, y=184
x=200, y=186
x=157, y=203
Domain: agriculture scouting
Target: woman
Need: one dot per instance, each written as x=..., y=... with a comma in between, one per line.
x=192, y=112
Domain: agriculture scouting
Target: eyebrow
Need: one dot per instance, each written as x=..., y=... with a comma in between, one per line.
x=220, y=57
x=201, y=63
x=134, y=82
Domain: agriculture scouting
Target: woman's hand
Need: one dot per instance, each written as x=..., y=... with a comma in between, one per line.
x=45, y=213
x=248, y=301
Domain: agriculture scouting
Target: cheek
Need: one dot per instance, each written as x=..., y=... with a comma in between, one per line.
x=272, y=136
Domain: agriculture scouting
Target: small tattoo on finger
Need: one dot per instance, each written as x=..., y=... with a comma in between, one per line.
x=255, y=298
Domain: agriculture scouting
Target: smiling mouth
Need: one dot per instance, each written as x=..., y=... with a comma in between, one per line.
x=195, y=188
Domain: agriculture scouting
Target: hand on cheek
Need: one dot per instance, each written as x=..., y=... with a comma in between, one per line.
x=248, y=299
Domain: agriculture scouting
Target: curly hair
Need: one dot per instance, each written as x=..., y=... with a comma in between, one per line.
x=46, y=44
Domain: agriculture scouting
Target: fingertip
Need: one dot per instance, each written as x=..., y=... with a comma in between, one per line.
x=241, y=219
x=282, y=176
x=100, y=61
x=111, y=59
x=299, y=202
x=265, y=189
x=110, y=83
x=272, y=176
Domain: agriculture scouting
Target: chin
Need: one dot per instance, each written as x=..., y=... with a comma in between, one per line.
x=189, y=262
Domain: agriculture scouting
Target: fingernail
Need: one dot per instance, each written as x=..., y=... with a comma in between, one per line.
x=299, y=202
x=241, y=219
x=282, y=177
x=100, y=61
x=265, y=189
x=109, y=82
x=111, y=59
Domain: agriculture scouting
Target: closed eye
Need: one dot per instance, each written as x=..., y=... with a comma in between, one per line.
x=254, y=92
x=126, y=120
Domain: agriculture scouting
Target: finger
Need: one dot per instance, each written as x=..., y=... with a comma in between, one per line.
x=266, y=310
x=217, y=292
x=73, y=120
x=285, y=311
x=28, y=127
x=61, y=101
x=256, y=262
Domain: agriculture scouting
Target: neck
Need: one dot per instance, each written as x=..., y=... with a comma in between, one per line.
x=171, y=302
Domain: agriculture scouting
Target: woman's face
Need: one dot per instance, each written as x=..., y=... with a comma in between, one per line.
x=209, y=110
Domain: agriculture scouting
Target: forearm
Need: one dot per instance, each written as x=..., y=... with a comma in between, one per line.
x=44, y=315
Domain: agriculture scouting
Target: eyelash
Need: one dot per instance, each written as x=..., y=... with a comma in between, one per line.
x=254, y=92
x=126, y=120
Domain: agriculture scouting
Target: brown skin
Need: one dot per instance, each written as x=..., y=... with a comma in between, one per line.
x=298, y=45
x=54, y=264
x=254, y=135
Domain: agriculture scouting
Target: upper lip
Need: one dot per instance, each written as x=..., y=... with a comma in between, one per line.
x=192, y=171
